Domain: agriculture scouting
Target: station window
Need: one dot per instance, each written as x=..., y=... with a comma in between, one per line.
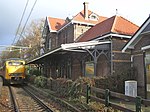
x=49, y=44
x=147, y=65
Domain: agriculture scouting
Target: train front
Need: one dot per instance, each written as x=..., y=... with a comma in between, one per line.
x=15, y=72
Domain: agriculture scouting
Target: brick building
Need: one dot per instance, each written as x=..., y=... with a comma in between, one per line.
x=59, y=31
x=118, y=31
x=85, y=45
x=139, y=48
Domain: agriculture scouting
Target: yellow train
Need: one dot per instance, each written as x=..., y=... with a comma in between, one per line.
x=14, y=71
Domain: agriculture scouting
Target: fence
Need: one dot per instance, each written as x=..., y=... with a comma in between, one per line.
x=87, y=91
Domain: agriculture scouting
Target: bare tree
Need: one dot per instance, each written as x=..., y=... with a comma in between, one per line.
x=31, y=37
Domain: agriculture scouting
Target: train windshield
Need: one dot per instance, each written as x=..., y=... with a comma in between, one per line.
x=15, y=63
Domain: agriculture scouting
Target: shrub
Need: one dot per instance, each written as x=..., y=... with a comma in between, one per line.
x=32, y=71
x=35, y=71
x=30, y=78
x=40, y=81
x=75, y=87
x=61, y=86
x=115, y=82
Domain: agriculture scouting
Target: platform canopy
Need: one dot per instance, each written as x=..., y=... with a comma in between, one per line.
x=75, y=47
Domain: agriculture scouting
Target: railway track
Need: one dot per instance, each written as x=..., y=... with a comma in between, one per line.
x=45, y=107
x=13, y=101
x=23, y=100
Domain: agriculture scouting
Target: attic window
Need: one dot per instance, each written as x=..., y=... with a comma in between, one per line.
x=93, y=17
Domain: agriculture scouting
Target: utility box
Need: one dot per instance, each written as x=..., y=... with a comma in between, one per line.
x=131, y=88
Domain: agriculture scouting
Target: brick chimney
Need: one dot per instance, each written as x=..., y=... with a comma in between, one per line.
x=85, y=10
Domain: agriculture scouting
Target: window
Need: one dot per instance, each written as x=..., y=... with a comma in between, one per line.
x=147, y=65
x=82, y=31
x=15, y=63
x=65, y=38
x=45, y=31
x=56, y=41
x=65, y=35
x=69, y=68
x=93, y=17
x=50, y=43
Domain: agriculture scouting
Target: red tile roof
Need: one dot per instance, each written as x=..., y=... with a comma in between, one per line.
x=124, y=26
x=80, y=17
x=55, y=23
x=115, y=24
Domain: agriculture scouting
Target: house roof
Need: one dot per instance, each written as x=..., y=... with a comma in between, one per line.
x=80, y=18
x=114, y=24
x=55, y=23
x=144, y=29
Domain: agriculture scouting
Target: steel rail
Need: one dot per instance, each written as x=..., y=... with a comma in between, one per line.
x=47, y=109
x=13, y=102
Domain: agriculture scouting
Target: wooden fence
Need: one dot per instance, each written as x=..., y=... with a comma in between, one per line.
x=138, y=101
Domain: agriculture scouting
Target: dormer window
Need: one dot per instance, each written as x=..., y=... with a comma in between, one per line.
x=93, y=17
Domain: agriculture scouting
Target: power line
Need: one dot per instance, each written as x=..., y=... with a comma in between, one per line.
x=20, y=21
x=27, y=19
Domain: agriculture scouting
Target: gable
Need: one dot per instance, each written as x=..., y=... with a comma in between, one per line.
x=55, y=23
x=146, y=30
x=80, y=18
x=138, y=35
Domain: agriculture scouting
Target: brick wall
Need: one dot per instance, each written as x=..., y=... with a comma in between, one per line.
x=138, y=63
x=76, y=67
x=143, y=42
x=103, y=66
x=66, y=35
x=121, y=61
x=79, y=30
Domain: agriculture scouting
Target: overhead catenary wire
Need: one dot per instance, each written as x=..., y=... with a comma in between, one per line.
x=20, y=21
x=20, y=25
x=27, y=20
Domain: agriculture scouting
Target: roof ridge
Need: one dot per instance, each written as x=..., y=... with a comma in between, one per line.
x=129, y=21
x=83, y=12
x=55, y=17
x=114, y=23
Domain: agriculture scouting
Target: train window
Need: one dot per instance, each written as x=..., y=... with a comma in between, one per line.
x=15, y=63
x=9, y=63
x=21, y=63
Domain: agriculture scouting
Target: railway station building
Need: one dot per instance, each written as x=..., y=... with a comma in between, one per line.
x=85, y=45
x=139, y=48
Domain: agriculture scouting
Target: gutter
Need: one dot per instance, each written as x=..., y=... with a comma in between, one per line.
x=111, y=34
x=45, y=55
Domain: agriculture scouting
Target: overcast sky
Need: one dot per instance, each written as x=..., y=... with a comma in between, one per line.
x=136, y=11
